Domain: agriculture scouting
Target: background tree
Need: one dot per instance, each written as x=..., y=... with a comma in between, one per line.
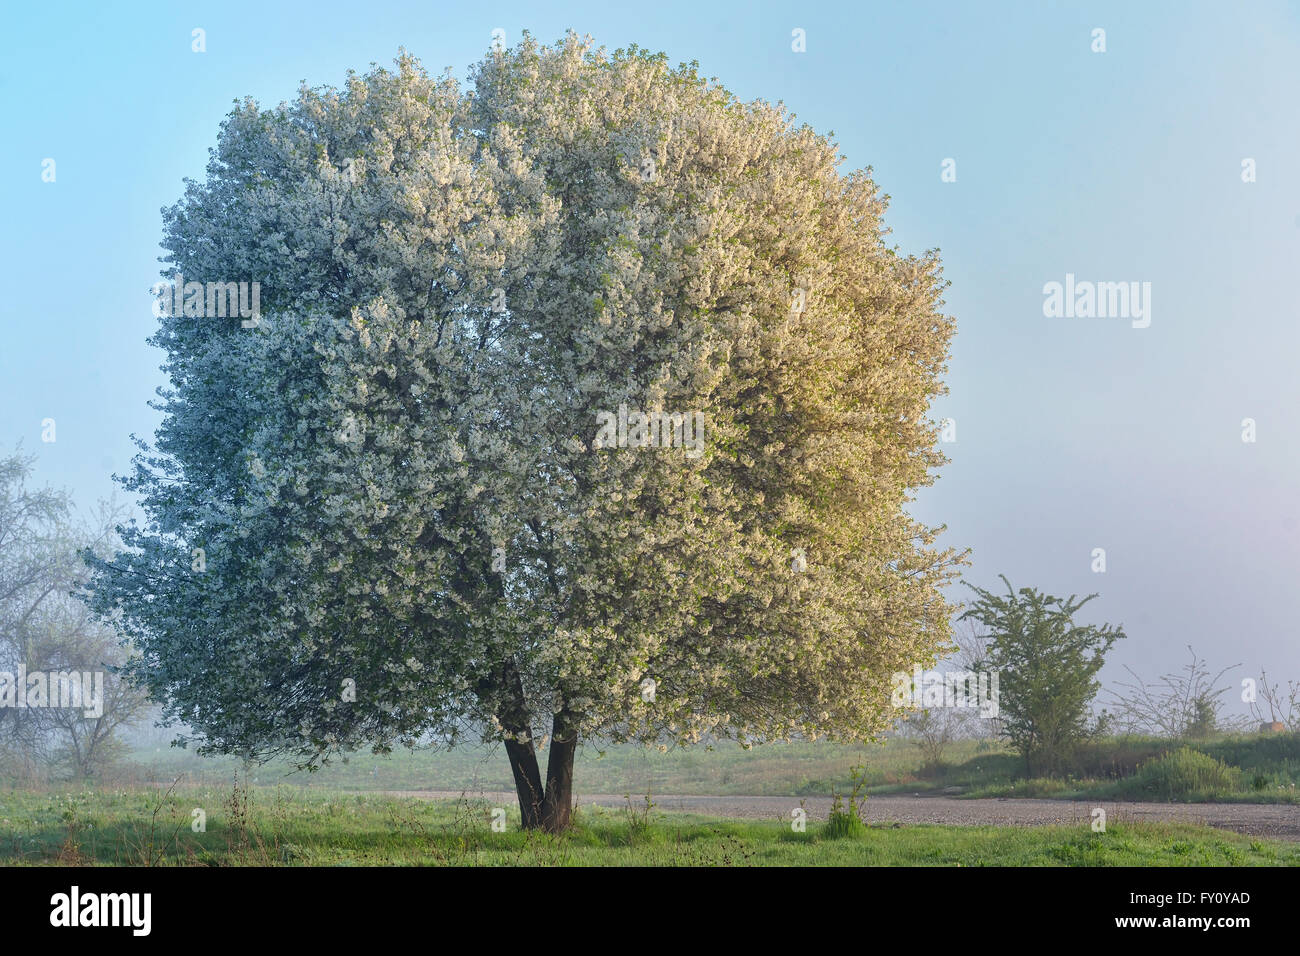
x=1282, y=704
x=394, y=476
x=935, y=728
x=1182, y=705
x=86, y=746
x=30, y=571
x=44, y=627
x=1047, y=666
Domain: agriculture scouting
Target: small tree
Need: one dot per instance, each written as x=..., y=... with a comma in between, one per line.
x=1047, y=666
x=973, y=648
x=85, y=746
x=1178, y=706
x=934, y=728
x=1283, y=703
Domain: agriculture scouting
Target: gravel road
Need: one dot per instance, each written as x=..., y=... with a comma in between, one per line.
x=1271, y=820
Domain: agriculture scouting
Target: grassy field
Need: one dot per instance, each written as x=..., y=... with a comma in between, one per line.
x=317, y=827
x=798, y=769
x=1262, y=769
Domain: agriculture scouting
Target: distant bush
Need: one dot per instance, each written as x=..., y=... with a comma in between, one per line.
x=1116, y=758
x=809, y=787
x=1186, y=772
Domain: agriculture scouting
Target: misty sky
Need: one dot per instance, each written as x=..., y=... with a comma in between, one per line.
x=1072, y=433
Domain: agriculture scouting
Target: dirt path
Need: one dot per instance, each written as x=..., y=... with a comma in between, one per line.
x=1271, y=820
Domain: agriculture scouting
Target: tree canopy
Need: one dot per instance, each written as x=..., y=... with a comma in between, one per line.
x=408, y=527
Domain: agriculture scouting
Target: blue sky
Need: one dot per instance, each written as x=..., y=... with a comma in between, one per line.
x=1072, y=433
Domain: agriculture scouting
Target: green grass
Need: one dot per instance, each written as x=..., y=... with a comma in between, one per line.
x=777, y=769
x=295, y=826
x=1228, y=769
x=1268, y=770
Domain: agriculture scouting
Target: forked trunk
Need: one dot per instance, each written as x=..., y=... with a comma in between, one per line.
x=557, y=805
x=548, y=808
x=528, y=782
x=523, y=758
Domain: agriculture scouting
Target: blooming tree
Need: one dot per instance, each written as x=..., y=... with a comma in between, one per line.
x=583, y=402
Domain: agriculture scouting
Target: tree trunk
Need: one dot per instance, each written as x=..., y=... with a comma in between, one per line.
x=548, y=808
x=528, y=782
x=523, y=758
x=557, y=805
